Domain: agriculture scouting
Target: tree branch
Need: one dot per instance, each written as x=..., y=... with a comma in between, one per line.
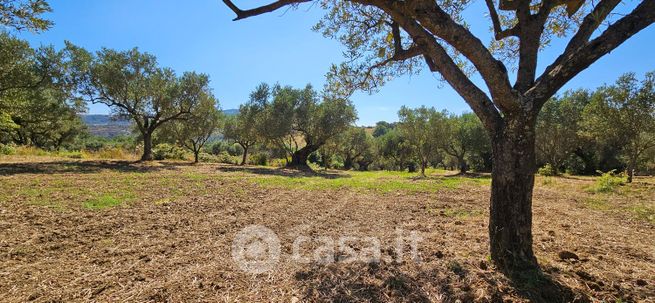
x=568, y=65
x=242, y=14
x=438, y=60
x=499, y=33
x=439, y=23
x=590, y=23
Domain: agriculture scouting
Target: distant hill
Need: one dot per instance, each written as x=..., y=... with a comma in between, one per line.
x=108, y=127
x=231, y=112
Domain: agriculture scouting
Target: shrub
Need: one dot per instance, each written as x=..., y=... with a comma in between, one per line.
x=223, y=146
x=7, y=149
x=259, y=159
x=575, y=165
x=547, y=170
x=277, y=162
x=608, y=182
x=168, y=152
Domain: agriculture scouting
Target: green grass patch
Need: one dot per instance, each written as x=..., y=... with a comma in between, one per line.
x=461, y=213
x=598, y=203
x=644, y=212
x=380, y=181
x=102, y=202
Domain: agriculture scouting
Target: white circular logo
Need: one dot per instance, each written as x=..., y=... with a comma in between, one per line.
x=256, y=249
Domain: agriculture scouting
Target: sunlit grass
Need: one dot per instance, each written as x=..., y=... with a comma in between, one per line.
x=380, y=181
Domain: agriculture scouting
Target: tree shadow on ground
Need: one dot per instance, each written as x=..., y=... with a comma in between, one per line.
x=284, y=172
x=359, y=282
x=93, y=166
x=469, y=175
x=450, y=281
x=539, y=287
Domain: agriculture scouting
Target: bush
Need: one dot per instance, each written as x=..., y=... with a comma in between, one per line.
x=7, y=149
x=259, y=159
x=222, y=146
x=547, y=170
x=168, y=152
x=575, y=165
x=609, y=181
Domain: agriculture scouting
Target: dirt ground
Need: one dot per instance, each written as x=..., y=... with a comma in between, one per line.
x=102, y=231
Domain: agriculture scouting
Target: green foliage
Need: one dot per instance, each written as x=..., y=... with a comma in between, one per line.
x=297, y=121
x=547, y=170
x=133, y=85
x=166, y=151
x=6, y=149
x=623, y=115
x=557, y=128
x=355, y=146
x=221, y=157
x=465, y=137
x=195, y=130
x=608, y=182
x=35, y=104
x=426, y=131
x=259, y=159
x=575, y=165
x=223, y=146
x=25, y=15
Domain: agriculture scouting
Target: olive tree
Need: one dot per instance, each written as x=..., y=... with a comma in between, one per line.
x=25, y=15
x=244, y=128
x=197, y=128
x=356, y=145
x=465, y=137
x=386, y=38
x=425, y=130
x=624, y=114
x=36, y=107
x=558, y=125
x=133, y=86
x=300, y=121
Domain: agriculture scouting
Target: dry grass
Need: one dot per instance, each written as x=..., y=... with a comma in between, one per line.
x=108, y=231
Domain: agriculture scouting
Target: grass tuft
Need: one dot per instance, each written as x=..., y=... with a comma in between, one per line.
x=102, y=202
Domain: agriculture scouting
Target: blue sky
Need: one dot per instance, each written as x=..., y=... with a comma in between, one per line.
x=278, y=47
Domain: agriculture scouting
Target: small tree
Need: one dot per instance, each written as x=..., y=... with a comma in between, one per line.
x=300, y=122
x=356, y=146
x=193, y=132
x=425, y=130
x=465, y=136
x=243, y=128
x=624, y=113
x=134, y=86
x=558, y=126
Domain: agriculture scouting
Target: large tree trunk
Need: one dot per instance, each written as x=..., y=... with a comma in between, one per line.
x=510, y=222
x=299, y=158
x=348, y=163
x=195, y=156
x=147, y=147
x=463, y=167
x=244, y=158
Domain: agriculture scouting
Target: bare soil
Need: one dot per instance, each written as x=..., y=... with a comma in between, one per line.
x=172, y=240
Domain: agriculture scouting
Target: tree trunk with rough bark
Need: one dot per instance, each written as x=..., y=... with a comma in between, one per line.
x=510, y=224
x=463, y=167
x=147, y=147
x=244, y=158
x=299, y=157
